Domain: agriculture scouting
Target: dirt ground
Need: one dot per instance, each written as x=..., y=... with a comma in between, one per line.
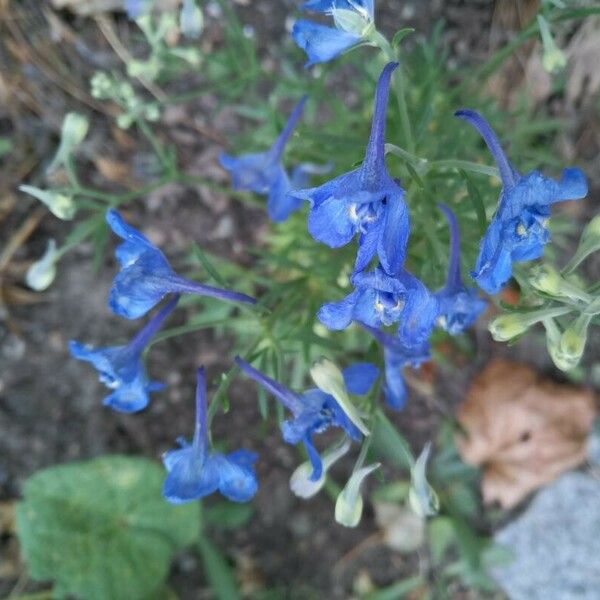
x=50, y=410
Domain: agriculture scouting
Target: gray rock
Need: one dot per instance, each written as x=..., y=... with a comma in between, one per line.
x=555, y=543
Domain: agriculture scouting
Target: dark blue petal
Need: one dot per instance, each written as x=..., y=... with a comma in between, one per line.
x=189, y=478
x=367, y=245
x=237, y=482
x=322, y=43
x=395, y=388
x=338, y=315
x=572, y=185
x=314, y=457
x=459, y=308
x=360, y=377
x=250, y=172
x=280, y=204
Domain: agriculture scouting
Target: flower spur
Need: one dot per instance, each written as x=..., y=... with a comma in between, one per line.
x=459, y=306
x=146, y=276
x=121, y=368
x=365, y=202
x=314, y=411
x=264, y=172
x=518, y=231
x=194, y=472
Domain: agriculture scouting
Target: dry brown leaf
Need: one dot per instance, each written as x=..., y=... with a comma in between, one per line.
x=583, y=52
x=113, y=170
x=523, y=430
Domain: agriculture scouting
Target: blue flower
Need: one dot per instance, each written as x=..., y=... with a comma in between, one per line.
x=380, y=299
x=121, y=367
x=146, y=276
x=353, y=21
x=518, y=231
x=396, y=356
x=459, y=306
x=314, y=411
x=265, y=174
x=365, y=201
x=193, y=472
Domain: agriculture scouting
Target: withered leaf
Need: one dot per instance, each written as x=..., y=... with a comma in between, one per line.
x=522, y=429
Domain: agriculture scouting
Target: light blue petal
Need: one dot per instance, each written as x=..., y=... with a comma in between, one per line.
x=330, y=222
x=338, y=315
x=572, y=185
x=321, y=43
x=360, y=377
x=394, y=238
x=236, y=481
x=395, y=388
x=188, y=478
x=280, y=204
x=250, y=172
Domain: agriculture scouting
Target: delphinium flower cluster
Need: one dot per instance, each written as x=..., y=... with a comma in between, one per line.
x=366, y=206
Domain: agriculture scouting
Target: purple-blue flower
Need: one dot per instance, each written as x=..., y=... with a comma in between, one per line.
x=135, y=8
x=194, y=472
x=518, y=231
x=380, y=299
x=314, y=411
x=365, y=201
x=265, y=174
x=146, y=276
x=121, y=368
x=396, y=356
x=459, y=306
x=353, y=21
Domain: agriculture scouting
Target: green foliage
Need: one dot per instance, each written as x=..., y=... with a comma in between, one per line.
x=101, y=529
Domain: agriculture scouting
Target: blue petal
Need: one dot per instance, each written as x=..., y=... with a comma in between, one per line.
x=330, y=222
x=237, y=481
x=130, y=396
x=572, y=185
x=189, y=478
x=280, y=204
x=395, y=388
x=459, y=309
x=250, y=172
x=325, y=6
x=314, y=457
x=367, y=246
x=338, y=315
x=360, y=377
x=322, y=43
x=394, y=238
x=301, y=174
x=135, y=8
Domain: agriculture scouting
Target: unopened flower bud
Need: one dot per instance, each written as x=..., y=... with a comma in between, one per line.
x=588, y=244
x=41, y=273
x=60, y=205
x=191, y=20
x=573, y=340
x=349, y=503
x=329, y=379
x=301, y=483
x=553, y=59
x=507, y=327
x=73, y=132
x=548, y=280
x=422, y=497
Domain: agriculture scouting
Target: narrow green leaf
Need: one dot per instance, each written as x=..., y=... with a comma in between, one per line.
x=208, y=266
x=217, y=571
x=476, y=201
x=400, y=35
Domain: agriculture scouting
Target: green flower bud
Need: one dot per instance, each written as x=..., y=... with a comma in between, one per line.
x=349, y=503
x=73, y=131
x=507, y=327
x=330, y=380
x=102, y=86
x=422, y=497
x=356, y=22
x=573, y=340
x=41, y=273
x=301, y=483
x=60, y=205
x=553, y=59
x=547, y=279
x=588, y=244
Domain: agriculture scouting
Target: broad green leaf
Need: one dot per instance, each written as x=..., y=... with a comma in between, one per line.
x=227, y=515
x=389, y=445
x=217, y=571
x=101, y=529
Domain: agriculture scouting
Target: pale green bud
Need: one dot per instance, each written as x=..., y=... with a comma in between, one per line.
x=547, y=279
x=349, y=503
x=507, y=327
x=41, y=273
x=553, y=59
x=553, y=337
x=422, y=497
x=60, y=205
x=330, y=380
x=356, y=22
x=588, y=244
x=300, y=482
x=573, y=340
x=73, y=131
x=144, y=69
